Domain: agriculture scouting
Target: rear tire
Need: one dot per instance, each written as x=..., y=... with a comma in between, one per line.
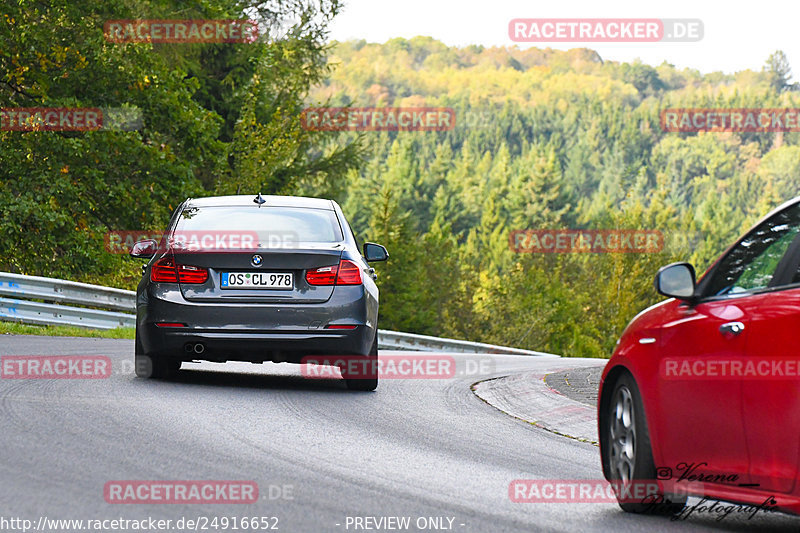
x=628, y=451
x=368, y=384
x=156, y=367
x=149, y=367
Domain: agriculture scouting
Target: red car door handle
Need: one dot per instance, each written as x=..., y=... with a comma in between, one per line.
x=731, y=328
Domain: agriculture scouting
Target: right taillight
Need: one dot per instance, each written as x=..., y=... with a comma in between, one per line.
x=345, y=273
x=349, y=273
x=165, y=270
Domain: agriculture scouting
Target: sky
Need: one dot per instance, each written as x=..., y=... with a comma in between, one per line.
x=737, y=36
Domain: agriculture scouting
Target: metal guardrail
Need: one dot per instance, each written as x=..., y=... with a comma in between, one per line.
x=394, y=340
x=62, y=291
x=62, y=315
x=56, y=292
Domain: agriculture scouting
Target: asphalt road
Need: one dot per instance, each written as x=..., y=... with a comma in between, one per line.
x=579, y=384
x=414, y=448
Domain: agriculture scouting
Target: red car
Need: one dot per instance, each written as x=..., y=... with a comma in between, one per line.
x=701, y=393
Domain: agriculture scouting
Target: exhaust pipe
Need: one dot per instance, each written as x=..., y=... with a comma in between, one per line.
x=196, y=348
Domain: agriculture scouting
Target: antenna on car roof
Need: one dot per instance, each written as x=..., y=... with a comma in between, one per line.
x=259, y=200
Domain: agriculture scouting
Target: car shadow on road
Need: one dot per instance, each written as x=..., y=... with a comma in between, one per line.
x=260, y=380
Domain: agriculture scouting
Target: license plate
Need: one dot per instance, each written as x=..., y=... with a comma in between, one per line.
x=257, y=280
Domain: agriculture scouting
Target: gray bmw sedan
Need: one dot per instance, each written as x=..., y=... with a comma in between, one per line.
x=270, y=278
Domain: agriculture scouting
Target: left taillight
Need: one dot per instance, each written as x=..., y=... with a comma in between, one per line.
x=192, y=274
x=165, y=270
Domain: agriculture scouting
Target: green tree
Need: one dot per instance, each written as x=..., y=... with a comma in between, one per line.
x=779, y=71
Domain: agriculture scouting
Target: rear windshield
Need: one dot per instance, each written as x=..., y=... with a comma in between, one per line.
x=297, y=224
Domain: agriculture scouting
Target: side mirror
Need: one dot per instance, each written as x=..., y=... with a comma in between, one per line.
x=676, y=281
x=144, y=249
x=375, y=252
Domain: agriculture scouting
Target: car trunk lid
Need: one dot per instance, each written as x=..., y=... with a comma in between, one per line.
x=257, y=266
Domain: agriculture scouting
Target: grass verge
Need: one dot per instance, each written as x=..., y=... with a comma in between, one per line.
x=15, y=328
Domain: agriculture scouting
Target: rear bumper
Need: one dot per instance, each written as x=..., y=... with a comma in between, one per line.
x=252, y=346
x=253, y=332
